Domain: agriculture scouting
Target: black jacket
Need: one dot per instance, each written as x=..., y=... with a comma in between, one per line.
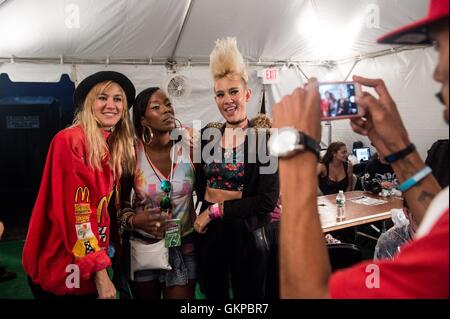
x=260, y=194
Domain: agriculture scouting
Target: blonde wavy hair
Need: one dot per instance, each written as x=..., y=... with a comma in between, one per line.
x=121, y=141
x=227, y=61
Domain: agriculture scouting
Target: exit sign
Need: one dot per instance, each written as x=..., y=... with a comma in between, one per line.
x=270, y=76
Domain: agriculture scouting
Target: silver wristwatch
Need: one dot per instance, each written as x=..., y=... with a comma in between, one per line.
x=288, y=141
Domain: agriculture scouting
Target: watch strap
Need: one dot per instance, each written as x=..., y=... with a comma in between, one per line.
x=310, y=144
x=401, y=154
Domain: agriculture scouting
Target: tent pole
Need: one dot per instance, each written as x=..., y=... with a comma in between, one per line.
x=351, y=70
x=180, y=34
x=301, y=71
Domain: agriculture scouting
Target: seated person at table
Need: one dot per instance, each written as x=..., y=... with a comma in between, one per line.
x=334, y=171
x=390, y=242
x=5, y=275
x=378, y=170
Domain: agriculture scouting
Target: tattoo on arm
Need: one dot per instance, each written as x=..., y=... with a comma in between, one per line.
x=425, y=197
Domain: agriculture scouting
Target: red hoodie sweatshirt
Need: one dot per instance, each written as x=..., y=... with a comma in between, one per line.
x=68, y=234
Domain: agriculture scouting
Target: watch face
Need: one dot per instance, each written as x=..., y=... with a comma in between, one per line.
x=283, y=142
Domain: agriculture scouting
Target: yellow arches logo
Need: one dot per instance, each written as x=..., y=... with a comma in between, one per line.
x=82, y=197
x=85, y=194
x=103, y=206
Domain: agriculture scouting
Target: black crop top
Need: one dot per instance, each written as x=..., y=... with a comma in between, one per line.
x=328, y=186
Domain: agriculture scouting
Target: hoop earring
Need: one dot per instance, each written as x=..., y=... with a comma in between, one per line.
x=147, y=135
x=179, y=122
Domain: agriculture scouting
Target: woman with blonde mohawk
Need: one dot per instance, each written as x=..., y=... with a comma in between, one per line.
x=236, y=198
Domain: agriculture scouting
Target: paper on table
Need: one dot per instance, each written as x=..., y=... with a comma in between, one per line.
x=368, y=201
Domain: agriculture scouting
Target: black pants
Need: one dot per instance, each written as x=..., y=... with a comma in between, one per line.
x=40, y=294
x=229, y=252
x=273, y=276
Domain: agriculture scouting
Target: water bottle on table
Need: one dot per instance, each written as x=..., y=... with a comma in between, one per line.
x=340, y=205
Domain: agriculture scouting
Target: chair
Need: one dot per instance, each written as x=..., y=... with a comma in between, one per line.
x=343, y=255
x=360, y=168
x=354, y=181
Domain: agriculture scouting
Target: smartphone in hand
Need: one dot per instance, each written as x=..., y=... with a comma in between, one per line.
x=338, y=100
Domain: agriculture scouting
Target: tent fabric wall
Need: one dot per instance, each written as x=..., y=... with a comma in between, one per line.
x=408, y=76
x=199, y=106
x=300, y=34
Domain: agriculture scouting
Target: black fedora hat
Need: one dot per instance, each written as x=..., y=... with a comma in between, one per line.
x=88, y=83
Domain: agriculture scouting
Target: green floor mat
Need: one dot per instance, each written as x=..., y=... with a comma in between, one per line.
x=11, y=259
x=17, y=288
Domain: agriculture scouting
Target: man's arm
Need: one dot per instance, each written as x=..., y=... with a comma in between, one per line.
x=304, y=264
x=420, y=196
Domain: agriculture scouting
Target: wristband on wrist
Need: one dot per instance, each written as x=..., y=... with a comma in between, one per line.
x=401, y=154
x=214, y=212
x=416, y=179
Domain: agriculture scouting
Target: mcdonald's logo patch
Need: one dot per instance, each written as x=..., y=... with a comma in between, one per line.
x=82, y=195
x=82, y=218
x=82, y=209
x=85, y=247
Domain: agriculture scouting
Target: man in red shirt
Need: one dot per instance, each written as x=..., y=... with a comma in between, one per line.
x=421, y=268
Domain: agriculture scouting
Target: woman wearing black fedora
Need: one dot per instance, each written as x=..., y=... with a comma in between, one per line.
x=67, y=249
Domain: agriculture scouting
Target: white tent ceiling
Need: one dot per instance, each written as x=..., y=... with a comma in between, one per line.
x=268, y=30
x=42, y=39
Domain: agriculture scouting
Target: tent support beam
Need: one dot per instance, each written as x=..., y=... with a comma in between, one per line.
x=183, y=27
x=193, y=61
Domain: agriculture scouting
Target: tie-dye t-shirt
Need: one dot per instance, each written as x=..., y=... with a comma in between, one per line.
x=148, y=192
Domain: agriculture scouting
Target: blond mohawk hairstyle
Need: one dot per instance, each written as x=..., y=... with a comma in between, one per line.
x=227, y=61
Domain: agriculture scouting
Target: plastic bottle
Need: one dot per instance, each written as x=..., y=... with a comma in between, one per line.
x=340, y=205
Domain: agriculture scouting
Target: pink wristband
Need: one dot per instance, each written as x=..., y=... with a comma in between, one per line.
x=214, y=212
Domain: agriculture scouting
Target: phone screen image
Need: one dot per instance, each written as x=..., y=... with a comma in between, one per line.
x=337, y=100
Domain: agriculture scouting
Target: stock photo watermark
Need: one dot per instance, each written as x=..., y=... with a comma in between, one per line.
x=208, y=148
x=73, y=277
x=373, y=279
x=372, y=14
x=72, y=20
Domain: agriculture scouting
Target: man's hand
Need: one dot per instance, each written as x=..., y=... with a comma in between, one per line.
x=105, y=287
x=382, y=122
x=300, y=110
